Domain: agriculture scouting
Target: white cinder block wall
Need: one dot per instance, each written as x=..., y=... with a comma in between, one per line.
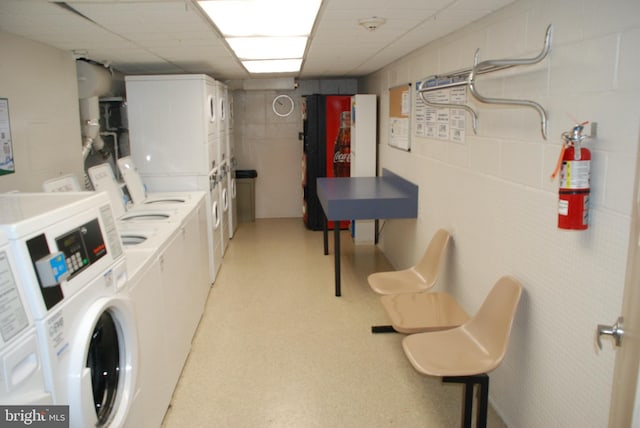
x=269, y=144
x=41, y=86
x=494, y=193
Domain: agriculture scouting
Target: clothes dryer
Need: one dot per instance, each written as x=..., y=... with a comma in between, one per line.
x=223, y=183
x=21, y=374
x=233, y=193
x=71, y=263
x=215, y=224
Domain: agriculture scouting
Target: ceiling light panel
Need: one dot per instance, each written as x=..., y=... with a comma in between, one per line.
x=268, y=47
x=273, y=66
x=262, y=17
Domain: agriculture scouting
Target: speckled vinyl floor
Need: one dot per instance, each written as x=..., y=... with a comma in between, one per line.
x=276, y=348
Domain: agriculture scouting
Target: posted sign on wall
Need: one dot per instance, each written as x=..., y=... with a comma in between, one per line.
x=400, y=117
x=6, y=155
x=443, y=123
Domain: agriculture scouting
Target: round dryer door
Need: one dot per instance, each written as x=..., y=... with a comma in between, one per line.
x=106, y=365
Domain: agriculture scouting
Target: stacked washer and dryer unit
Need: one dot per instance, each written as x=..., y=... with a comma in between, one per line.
x=71, y=266
x=179, y=139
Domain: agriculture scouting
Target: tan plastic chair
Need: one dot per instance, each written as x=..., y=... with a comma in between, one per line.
x=467, y=353
x=418, y=278
x=411, y=313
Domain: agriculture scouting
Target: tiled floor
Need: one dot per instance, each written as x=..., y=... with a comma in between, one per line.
x=276, y=348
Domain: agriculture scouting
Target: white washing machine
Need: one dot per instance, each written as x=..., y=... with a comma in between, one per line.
x=103, y=180
x=140, y=197
x=168, y=275
x=134, y=235
x=63, y=183
x=154, y=388
x=21, y=374
x=144, y=237
x=210, y=183
x=71, y=262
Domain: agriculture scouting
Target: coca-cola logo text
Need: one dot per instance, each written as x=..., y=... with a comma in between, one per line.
x=339, y=157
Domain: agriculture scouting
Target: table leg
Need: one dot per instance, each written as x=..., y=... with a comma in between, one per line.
x=325, y=233
x=336, y=250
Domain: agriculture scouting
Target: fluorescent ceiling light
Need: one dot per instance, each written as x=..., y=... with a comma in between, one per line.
x=265, y=30
x=262, y=17
x=273, y=66
x=268, y=47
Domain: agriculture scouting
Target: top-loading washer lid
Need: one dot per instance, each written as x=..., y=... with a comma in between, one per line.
x=103, y=180
x=132, y=180
x=137, y=188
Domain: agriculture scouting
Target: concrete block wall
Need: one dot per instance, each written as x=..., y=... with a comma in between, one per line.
x=42, y=90
x=494, y=193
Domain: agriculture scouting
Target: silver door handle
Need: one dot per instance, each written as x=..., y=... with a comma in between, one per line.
x=612, y=330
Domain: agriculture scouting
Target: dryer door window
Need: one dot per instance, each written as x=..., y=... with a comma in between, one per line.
x=103, y=360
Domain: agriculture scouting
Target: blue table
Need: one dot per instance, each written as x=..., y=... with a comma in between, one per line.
x=359, y=198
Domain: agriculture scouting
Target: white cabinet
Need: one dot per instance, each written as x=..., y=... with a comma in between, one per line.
x=363, y=155
x=363, y=135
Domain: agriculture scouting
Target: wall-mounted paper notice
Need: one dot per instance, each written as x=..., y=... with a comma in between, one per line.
x=400, y=117
x=6, y=149
x=440, y=123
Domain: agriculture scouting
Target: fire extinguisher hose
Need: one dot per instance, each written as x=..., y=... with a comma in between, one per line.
x=559, y=164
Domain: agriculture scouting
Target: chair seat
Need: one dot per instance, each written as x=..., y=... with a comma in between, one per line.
x=448, y=353
x=395, y=282
x=419, y=312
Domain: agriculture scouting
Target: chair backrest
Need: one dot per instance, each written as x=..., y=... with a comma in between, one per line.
x=430, y=263
x=491, y=326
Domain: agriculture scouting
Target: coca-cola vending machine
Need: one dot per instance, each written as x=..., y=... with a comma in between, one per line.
x=327, y=152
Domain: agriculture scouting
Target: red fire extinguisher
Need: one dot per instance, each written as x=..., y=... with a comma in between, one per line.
x=574, y=166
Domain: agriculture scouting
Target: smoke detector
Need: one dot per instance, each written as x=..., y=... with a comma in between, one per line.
x=372, y=23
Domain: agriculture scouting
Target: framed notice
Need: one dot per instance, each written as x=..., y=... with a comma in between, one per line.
x=6, y=155
x=400, y=117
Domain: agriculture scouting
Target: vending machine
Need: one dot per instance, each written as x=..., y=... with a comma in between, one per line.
x=327, y=128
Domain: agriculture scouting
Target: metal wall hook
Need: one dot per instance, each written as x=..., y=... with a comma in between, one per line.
x=468, y=77
x=499, y=64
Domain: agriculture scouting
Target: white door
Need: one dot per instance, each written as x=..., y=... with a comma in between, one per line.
x=625, y=401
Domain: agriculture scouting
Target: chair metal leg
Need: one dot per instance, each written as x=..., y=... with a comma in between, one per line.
x=483, y=401
x=383, y=329
x=469, y=382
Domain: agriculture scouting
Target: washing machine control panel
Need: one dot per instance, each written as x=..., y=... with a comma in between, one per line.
x=82, y=246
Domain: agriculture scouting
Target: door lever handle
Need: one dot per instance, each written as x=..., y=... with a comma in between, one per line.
x=615, y=330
